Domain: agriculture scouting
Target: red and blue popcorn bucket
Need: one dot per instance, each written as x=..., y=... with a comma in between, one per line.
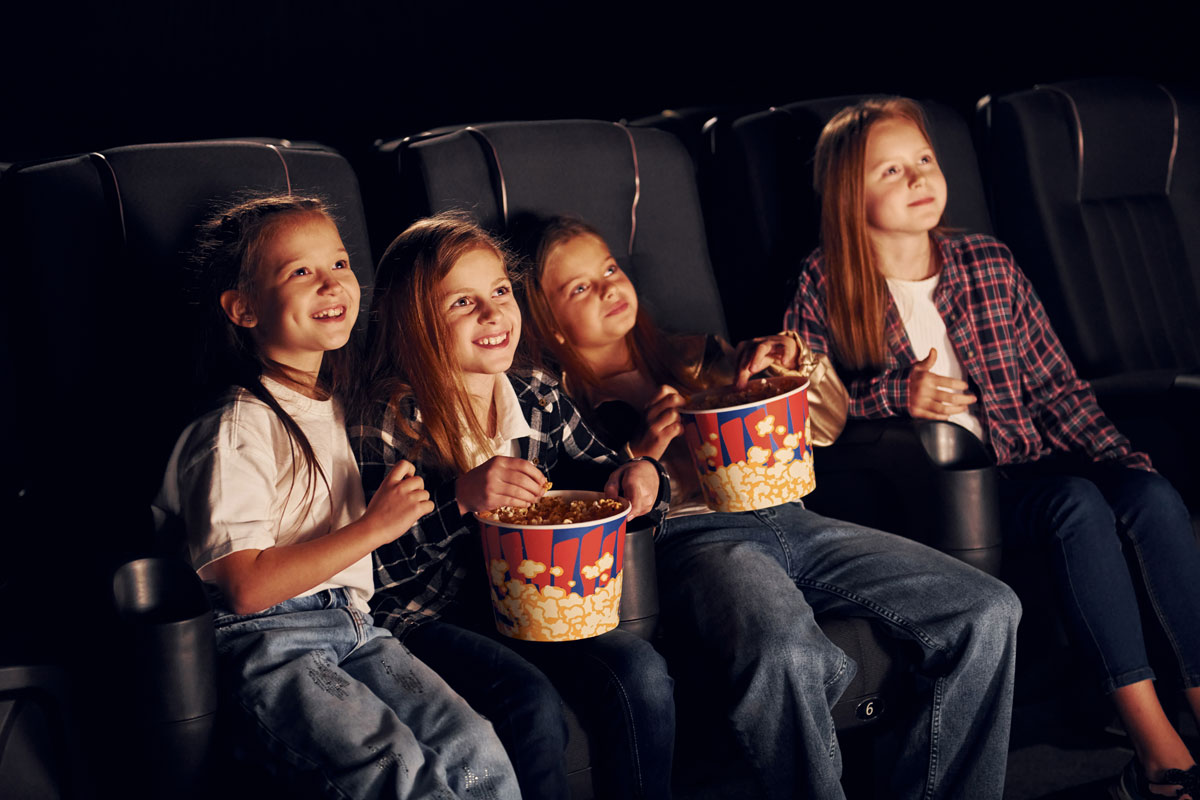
x=751, y=453
x=556, y=582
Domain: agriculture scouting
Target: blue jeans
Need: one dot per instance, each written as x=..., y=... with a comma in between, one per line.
x=617, y=684
x=342, y=709
x=1083, y=515
x=745, y=587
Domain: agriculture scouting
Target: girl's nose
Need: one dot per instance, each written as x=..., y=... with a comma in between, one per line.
x=487, y=311
x=328, y=281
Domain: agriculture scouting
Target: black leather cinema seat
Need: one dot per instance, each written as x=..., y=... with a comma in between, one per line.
x=637, y=186
x=632, y=183
x=107, y=381
x=1096, y=187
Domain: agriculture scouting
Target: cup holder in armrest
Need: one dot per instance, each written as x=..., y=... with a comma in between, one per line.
x=639, y=592
x=931, y=481
x=169, y=652
x=968, y=513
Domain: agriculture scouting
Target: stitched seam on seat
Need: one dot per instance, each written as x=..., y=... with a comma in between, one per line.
x=117, y=190
x=637, y=186
x=287, y=175
x=1174, y=137
x=1078, y=137
x=499, y=171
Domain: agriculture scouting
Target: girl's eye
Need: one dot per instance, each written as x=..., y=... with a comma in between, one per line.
x=891, y=171
x=580, y=289
x=301, y=272
x=343, y=264
x=611, y=269
x=501, y=291
x=461, y=302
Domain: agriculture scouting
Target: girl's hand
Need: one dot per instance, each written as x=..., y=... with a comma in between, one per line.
x=755, y=355
x=662, y=424
x=638, y=481
x=934, y=396
x=400, y=501
x=500, y=481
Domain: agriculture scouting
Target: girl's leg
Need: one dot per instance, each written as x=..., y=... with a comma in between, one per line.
x=516, y=696
x=331, y=733
x=732, y=610
x=619, y=686
x=1152, y=517
x=1155, y=741
x=1082, y=519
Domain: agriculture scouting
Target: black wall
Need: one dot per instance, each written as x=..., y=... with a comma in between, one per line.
x=81, y=77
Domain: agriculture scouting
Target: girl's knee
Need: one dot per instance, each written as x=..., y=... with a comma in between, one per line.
x=1076, y=507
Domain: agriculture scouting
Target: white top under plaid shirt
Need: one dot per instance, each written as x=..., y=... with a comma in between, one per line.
x=434, y=570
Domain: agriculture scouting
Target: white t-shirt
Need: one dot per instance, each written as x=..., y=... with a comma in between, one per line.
x=926, y=329
x=239, y=482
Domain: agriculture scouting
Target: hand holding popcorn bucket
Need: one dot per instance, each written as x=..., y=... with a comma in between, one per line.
x=751, y=447
x=553, y=578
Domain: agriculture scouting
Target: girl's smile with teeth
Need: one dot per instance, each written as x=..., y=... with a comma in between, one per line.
x=493, y=341
x=330, y=313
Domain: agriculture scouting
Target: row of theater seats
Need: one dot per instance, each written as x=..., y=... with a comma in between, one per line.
x=100, y=352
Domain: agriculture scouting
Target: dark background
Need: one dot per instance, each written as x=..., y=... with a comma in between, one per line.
x=82, y=77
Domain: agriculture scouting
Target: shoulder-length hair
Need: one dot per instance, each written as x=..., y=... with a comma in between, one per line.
x=856, y=292
x=651, y=350
x=410, y=352
x=228, y=256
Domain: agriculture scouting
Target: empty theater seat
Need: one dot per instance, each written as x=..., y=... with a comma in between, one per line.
x=1096, y=187
x=107, y=370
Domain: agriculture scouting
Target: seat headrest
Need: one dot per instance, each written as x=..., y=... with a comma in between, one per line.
x=1126, y=136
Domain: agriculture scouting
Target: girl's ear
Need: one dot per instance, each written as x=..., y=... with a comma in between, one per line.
x=237, y=308
x=559, y=337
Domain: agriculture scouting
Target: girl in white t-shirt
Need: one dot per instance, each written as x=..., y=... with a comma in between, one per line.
x=270, y=497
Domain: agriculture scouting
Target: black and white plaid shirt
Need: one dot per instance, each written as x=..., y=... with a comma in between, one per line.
x=434, y=570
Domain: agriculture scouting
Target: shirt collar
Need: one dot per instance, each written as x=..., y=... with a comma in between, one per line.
x=510, y=418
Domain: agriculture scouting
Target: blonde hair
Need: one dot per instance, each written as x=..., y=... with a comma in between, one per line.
x=856, y=295
x=650, y=350
x=410, y=353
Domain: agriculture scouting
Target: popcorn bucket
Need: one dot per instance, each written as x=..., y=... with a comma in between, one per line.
x=751, y=447
x=557, y=581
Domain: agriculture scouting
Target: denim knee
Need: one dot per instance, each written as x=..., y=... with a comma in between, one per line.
x=1080, y=501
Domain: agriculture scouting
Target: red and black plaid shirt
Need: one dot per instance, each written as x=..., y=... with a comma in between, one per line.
x=1031, y=400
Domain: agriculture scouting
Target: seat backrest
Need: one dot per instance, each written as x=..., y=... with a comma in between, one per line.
x=1096, y=187
x=772, y=214
x=105, y=364
x=635, y=185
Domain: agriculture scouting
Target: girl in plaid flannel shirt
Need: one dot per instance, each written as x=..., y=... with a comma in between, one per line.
x=888, y=285
x=445, y=330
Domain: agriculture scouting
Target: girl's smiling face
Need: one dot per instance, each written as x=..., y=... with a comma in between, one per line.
x=903, y=187
x=304, y=299
x=481, y=314
x=593, y=302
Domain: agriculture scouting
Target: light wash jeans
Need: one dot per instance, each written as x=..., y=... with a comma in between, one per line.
x=745, y=587
x=343, y=710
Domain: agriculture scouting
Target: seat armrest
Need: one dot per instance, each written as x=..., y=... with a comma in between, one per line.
x=928, y=480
